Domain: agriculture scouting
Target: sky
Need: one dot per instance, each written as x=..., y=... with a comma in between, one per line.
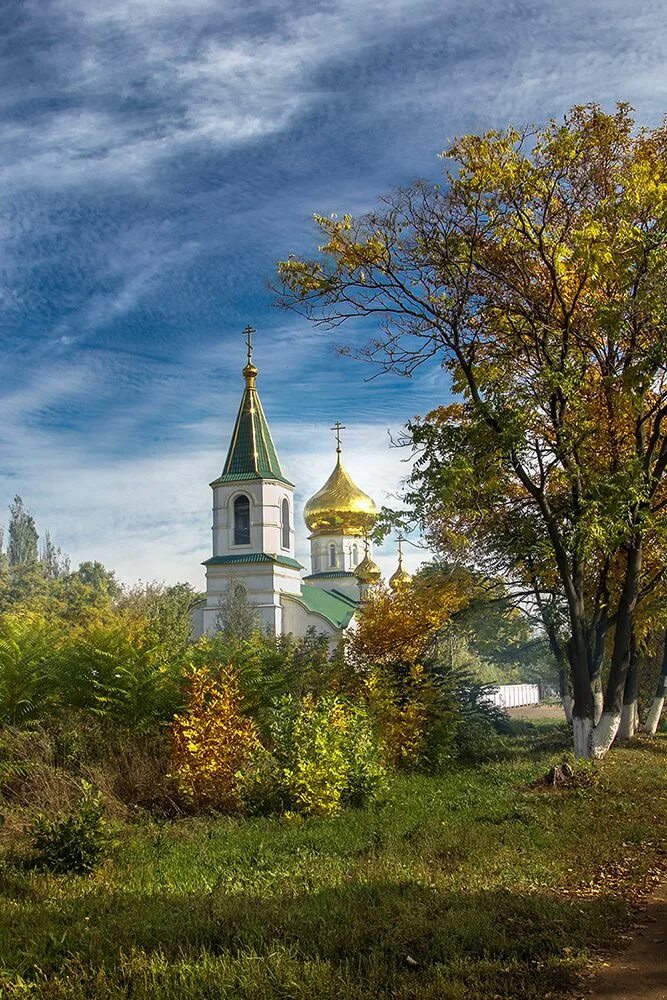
x=159, y=156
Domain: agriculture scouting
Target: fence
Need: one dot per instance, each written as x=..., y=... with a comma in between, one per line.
x=515, y=695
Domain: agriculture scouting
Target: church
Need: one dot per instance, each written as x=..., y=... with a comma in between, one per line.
x=254, y=536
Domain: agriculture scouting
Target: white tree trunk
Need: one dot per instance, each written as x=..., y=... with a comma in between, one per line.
x=653, y=717
x=603, y=735
x=598, y=702
x=629, y=720
x=568, y=705
x=592, y=742
x=582, y=730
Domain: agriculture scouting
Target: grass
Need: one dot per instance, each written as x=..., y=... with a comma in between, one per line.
x=472, y=885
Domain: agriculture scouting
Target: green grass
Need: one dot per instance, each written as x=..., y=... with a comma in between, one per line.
x=466, y=886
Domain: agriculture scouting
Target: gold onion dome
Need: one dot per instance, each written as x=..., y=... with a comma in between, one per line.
x=368, y=571
x=401, y=577
x=340, y=506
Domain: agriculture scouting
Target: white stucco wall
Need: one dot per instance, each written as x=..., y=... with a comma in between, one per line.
x=264, y=584
x=349, y=552
x=266, y=497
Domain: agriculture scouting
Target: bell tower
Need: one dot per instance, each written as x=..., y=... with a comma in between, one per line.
x=253, y=517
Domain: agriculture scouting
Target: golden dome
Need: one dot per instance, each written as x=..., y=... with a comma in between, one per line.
x=340, y=506
x=368, y=571
x=400, y=578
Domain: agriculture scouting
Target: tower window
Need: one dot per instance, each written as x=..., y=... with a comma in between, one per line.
x=242, y=521
x=355, y=555
x=285, y=523
x=332, y=555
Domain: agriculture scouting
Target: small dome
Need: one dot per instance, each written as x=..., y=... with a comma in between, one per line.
x=340, y=506
x=400, y=579
x=368, y=571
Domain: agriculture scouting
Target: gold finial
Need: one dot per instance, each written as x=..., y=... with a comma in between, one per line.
x=249, y=372
x=338, y=427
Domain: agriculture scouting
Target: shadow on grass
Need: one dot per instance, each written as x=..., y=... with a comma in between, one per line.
x=393, y=940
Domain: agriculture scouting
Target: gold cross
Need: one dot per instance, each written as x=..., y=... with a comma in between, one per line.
x=400, y=541
x=249, y=330
x=338, y=427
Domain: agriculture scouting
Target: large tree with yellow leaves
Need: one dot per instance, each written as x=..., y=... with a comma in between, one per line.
x=536, y=276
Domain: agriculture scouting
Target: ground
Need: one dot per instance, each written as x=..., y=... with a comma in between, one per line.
x=639, y=972
x=478, y=884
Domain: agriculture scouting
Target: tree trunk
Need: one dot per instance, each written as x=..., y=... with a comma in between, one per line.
x=597, y=658
x=630, y=711
x=655, y=711
x=603, y=734
x=598, y=697
x=582, y=713
x=567, y=702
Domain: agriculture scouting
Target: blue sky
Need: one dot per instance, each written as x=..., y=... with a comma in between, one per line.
x=158, y=156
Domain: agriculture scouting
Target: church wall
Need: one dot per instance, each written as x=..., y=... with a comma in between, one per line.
x=263, y=582
x=297, y=620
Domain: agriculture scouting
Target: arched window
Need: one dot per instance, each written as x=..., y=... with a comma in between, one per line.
x=242, y=521
x=285, y=520
x=332, y=555
x=355, y=555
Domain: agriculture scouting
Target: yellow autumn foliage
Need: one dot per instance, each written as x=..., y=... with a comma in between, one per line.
x=396, y=630
x=211, y=741
x=401, y=625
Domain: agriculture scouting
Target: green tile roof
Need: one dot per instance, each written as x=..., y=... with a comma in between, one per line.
x=334, y=574
x=336, y=608
x=252, y=453
x=252, y=557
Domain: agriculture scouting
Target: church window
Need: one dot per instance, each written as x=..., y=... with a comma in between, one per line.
x=355, y=555
x=285, y=523
x=332, y=555
x=242, y=521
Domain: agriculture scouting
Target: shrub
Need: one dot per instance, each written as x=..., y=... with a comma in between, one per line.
x=481, y=723
x=211, y=742
x=74, y=843
x=323, y=754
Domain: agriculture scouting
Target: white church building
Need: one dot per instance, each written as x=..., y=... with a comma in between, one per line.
x=254, y=536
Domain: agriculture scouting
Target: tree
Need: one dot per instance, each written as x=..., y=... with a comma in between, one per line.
x=23, y=537
x=102, y=581
x=237, y=616
x=536, y=278
x=56, y=564
x=401, y=626
x=655, y=710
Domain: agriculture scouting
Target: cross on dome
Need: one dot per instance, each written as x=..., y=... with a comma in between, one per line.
x=249, y=330
x=338, y=427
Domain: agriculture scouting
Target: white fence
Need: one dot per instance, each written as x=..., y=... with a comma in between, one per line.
x=515, y=695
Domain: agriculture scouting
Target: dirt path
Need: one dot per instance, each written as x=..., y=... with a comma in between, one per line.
x=640, y=971
x=530, y=712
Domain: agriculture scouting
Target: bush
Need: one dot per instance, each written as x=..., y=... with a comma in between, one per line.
x=324, y=754
x=481, y=723
x=211, y=742
x=74, y=843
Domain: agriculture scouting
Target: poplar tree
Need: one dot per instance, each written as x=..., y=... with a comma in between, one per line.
x=23, y=537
